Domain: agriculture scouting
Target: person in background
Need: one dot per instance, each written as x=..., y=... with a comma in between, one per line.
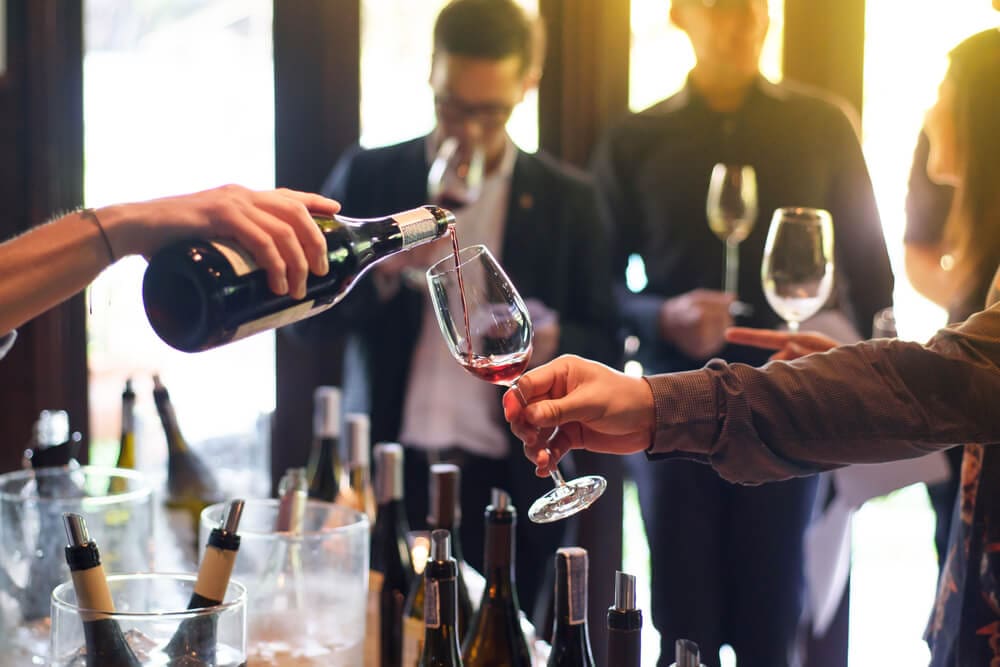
x=541, y=222
x=872, y=402
x=942, y=230
x=50, y=263
x=742, y=544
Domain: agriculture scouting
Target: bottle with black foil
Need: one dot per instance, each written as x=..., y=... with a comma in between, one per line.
x=494, y=638
x=106, y=645
x=570, y=638
x=196, y=637
x=391, y=571
x=53, y=446
x=624, y=624
x=356, y=482
x=324, y=462
x=446, y=514
x=200, y=294
x=191, y=485
x=441, y=642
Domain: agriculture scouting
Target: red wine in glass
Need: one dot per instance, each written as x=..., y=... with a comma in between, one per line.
x=500, y=369
x=492, y=340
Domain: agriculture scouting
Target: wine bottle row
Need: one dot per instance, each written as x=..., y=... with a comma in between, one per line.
x=421, y=614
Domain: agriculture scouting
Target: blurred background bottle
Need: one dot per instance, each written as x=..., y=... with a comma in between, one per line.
x=324, y=462
x=191, y=486
x=356, y=482
x=391, y=570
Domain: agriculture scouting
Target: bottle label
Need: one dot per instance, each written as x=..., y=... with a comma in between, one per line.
x=577, y=572
x=241, y=260
x=432, y=605
x=373, y=625
x=416, y=225
x=413, y=641
x=279, y=319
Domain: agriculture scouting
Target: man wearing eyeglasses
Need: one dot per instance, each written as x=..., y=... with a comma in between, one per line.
x=541, y=223
x=727, y=559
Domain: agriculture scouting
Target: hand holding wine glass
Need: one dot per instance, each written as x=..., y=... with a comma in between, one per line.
x=797, y=271
x=732, y=211
x=489, y=332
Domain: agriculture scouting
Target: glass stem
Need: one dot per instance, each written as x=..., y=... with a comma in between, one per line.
x=793, y=326
x=556, y=475
x=732, y=266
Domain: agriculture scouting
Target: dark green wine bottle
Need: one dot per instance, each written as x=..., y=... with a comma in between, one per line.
x=200, y=294
x=441, y=605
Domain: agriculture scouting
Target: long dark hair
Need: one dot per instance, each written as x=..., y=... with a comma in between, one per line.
x=972, y=233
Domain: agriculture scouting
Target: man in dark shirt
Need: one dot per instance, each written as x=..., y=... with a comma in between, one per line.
x=740, y=545
x=867, y=403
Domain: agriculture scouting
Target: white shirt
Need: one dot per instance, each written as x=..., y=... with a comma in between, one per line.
x=445, y=406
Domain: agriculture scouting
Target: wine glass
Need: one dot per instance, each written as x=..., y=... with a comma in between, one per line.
x=732, y=211
x=455, y=177
x=487, y=328
x=797, y=271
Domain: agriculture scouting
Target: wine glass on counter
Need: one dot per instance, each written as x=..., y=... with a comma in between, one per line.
x=731, y=208
x=487, y=328
x=797, y=270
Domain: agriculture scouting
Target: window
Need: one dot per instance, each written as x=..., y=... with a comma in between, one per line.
x=178, y=97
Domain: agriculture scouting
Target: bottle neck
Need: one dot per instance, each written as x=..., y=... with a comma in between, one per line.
x=499, y=561
x=175, y=441
x=325, y=468
x=441, y=610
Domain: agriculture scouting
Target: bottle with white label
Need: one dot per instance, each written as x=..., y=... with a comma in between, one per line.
x=570, y=639
x=200, y=294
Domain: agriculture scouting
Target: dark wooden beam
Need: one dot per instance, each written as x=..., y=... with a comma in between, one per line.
x=824, y=46
x=41, y=123
x=317, y=90
x=583, y=90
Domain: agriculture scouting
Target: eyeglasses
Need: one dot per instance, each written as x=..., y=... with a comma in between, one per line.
x=488, y=116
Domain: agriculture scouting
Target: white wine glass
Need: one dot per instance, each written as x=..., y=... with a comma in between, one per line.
x=731, y=208
x=797, y=271
x=455, y=177
x=487, y=328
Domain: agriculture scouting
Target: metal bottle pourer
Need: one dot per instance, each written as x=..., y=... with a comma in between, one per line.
x=624, y=591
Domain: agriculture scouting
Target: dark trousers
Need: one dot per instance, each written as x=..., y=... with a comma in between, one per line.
x=535, y=544
x=942, y=496
x=727, y=560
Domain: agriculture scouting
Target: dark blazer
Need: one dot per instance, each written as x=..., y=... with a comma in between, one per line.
x=555, y=249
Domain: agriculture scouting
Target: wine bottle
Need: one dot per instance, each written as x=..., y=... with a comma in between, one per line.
x=293, y=493
x=570, y=638
x=201, y=294
x=391, y=570
x=446, y=514
x=52, y=446
x=356, y=483
x=126, y=452
x=126, y=449
x=687, y=654
x=191, y=486
x=195, y=638
x=624, y=624
x=495, y=638
x=106, y=645
x=324, y=462
x=440, y=644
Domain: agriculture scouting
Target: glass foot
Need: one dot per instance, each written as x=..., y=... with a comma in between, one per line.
x=566, y=500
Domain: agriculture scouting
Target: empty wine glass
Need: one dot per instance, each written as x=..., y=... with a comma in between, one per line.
x=731, y=208
x=797, y=271
x=455, y=178
x=487, y=328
